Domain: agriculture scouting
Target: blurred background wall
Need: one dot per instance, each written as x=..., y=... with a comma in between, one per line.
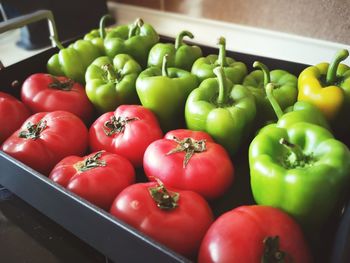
x=320, y=19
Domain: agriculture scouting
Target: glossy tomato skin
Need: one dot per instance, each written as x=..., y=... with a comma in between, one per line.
x=237, y=236
x=180, y=229
x=65, y=134
x=133, y=140
x=99, y=185
x=12, y=114
x=209, y=173
x=39, y=96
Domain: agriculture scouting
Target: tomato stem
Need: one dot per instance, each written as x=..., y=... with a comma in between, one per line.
x=116, y=124
x=164, y=199
x=272, y=252
x=189, y=146
x=33, y=131
x=65, y=85
x=90, y=162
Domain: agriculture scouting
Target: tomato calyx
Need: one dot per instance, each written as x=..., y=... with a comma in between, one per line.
x=90, y=162
x=116, y=124
x=190, y=146
x=65, y=85
x=33, y=130
x=272, y=253
x=164, y=199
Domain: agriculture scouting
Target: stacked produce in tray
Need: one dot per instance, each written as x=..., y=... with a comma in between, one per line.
x=151, y=132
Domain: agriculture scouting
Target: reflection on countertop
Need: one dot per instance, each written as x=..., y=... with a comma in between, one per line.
x=28, y=236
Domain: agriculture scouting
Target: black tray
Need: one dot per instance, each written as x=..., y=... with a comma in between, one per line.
x=110, y=236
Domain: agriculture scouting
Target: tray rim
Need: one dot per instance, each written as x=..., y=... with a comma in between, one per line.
x=148, y=246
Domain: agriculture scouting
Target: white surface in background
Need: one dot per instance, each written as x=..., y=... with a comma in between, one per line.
x=238, y=38
x=10, y=53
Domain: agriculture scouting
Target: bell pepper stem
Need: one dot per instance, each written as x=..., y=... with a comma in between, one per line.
x=332, y=69
x=296, y=158
x=276, y=107
x=111, y=74
x=220, y=74
x=165, y=66
x=293, y=149
x=57, y=42
x=265, y=70
x=222, y=52
x=137, y=25
x=103, y=25
x=179, y=38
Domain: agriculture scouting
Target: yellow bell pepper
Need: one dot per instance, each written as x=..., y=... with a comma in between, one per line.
x=327, y=86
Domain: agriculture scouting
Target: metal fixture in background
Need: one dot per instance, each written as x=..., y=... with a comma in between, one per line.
x=24, y=20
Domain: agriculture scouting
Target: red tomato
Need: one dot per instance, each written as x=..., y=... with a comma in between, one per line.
x=98, y=177
x=12, y=114
x=246, y=233
x=127, y=131
x=179, y=222
x=44, y=92
x=209, y=171
x=45, y=138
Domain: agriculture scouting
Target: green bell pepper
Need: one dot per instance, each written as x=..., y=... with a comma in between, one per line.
x=301, y=111
x=285, y=90
x=234, y=70
x=300, y=169
x=112, y=83
x=73, y=60
x=164, y=91
x=135, y=39
x=96, y=36
x=222, y=109
x=180, y=55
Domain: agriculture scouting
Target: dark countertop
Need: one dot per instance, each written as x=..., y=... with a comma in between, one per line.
x=28, y=236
